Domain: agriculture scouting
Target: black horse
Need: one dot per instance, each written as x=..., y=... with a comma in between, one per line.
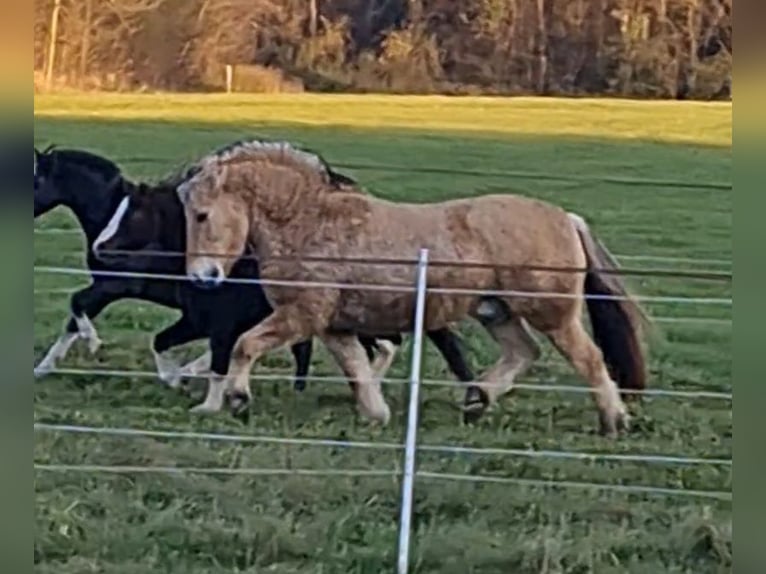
x=145, y=220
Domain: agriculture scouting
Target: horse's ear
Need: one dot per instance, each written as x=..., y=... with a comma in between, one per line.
x=43, y=157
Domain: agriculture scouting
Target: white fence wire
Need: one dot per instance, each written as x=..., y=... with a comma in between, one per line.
x=712, y=321
x=283, y=377
x=622, y=257
x=720, y=301
x=409, y=473
x=372, y=473
x=386, y=446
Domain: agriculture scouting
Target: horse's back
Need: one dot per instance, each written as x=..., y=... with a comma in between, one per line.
x=488, y=229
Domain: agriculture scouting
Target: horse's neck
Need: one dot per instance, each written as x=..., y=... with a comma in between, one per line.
x=93, y=204
x=270, y=241
x=173, y=229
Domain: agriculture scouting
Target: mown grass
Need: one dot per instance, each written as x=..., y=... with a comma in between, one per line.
x=620, y=164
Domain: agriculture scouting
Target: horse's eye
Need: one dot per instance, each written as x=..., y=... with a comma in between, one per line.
x=201, y=217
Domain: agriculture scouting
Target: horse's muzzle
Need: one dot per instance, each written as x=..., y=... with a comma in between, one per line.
x=207, y=275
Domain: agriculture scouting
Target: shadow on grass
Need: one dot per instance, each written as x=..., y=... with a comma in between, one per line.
x=149, y=144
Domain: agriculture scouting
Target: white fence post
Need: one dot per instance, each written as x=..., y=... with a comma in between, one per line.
x=229, y=78
x=410, y=445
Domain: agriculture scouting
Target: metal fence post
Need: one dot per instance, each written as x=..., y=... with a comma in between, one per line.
x=410, y=445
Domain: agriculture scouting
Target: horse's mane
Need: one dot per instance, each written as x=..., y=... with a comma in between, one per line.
x=274, y=150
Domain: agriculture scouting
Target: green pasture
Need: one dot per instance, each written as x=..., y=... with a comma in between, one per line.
x=652, y=178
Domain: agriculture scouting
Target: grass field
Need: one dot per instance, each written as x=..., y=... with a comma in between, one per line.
x=652, y=178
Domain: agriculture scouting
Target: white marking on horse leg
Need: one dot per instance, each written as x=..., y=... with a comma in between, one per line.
x=198, y=366
x=352, y=359
x=58, y=350
x=168, y=370
x=87, y=331
x=213, y=403
x=381, y=363
x=114, y=224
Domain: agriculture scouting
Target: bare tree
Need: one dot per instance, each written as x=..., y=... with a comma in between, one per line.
x=637, y=47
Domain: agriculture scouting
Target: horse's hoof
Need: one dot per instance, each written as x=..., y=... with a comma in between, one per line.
x=376, y=414
x=184, y=387
x=623, y=422
x=42, y=371
x=94, y=344
x=611, y=425
x=239, y=405
x=475, y=403
x=204, y=409
x=382, y=416
x=300, y=385
x=173, y=382
x=242, y=416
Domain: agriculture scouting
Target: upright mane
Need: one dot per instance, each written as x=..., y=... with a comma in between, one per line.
x=279, y=152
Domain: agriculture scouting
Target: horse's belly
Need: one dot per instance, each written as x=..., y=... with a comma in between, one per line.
x=368, y=313
x=380, y=313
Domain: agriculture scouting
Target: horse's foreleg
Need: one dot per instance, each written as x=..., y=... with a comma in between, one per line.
x=285, y=326
x=84, y=305
x=179, y=333
x=352, y=359
x=449, y=346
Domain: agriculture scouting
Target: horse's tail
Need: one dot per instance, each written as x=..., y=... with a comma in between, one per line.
x=617, y=319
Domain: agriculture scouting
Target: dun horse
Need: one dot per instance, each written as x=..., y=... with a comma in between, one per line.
x=280, y=200
x=150, y=222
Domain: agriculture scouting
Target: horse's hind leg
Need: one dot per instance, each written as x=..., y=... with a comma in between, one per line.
x=58, y=350
x=449, y=346
x=573, y=341
x=302, y=354
x=84, y=305
x=518, y=351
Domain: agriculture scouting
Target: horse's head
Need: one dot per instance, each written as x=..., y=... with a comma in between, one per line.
x=239, y=195
x=69, y=177
x=217, y=224
x=137, y=224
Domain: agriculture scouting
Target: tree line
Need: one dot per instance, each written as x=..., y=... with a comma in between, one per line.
x=638, y=48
